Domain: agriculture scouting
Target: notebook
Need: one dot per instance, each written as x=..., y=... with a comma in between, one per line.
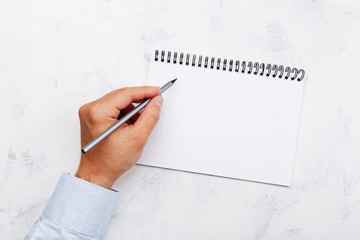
x=226, y=117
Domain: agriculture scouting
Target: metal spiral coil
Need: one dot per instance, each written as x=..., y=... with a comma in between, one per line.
x=230, y=65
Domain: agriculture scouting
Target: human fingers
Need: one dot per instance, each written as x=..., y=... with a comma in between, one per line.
x=149, y=117
x=121, y=98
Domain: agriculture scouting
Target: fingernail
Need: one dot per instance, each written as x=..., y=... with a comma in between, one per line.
x=159, y=101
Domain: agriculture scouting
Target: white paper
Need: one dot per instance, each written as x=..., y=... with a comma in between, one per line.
x=228, y=124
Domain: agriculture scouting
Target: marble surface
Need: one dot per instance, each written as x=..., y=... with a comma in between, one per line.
x=57, y=55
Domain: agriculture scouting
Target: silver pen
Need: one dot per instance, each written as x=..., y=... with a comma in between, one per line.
x=124, y=119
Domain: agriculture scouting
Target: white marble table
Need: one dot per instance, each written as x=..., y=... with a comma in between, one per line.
x=57, y=55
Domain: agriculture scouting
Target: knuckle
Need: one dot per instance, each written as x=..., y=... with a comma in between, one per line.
x=138, y=142
x=140, y=139
x=124, y=90
x=155, y=115
x=82, y=110
x=92, y=113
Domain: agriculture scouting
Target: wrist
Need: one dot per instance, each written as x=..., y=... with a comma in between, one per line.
x=94, y=178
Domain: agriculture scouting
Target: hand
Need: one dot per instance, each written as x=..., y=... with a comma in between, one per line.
x=118, y=152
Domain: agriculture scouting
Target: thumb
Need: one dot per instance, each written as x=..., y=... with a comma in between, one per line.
x=150, y=116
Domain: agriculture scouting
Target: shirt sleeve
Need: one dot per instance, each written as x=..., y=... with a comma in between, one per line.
x=77, y=209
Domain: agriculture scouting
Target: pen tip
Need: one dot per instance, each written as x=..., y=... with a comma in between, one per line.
x=173, y=81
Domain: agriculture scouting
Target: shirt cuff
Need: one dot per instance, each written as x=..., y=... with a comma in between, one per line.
x=81, y=206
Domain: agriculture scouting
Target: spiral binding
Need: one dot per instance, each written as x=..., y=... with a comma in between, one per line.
x=230, y=65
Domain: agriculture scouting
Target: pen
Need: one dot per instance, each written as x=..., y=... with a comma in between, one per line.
x=124, y=119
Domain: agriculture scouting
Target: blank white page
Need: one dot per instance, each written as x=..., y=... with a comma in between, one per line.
x=228, y=124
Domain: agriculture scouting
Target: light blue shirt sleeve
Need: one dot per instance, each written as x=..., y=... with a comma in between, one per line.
x=76, y=210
